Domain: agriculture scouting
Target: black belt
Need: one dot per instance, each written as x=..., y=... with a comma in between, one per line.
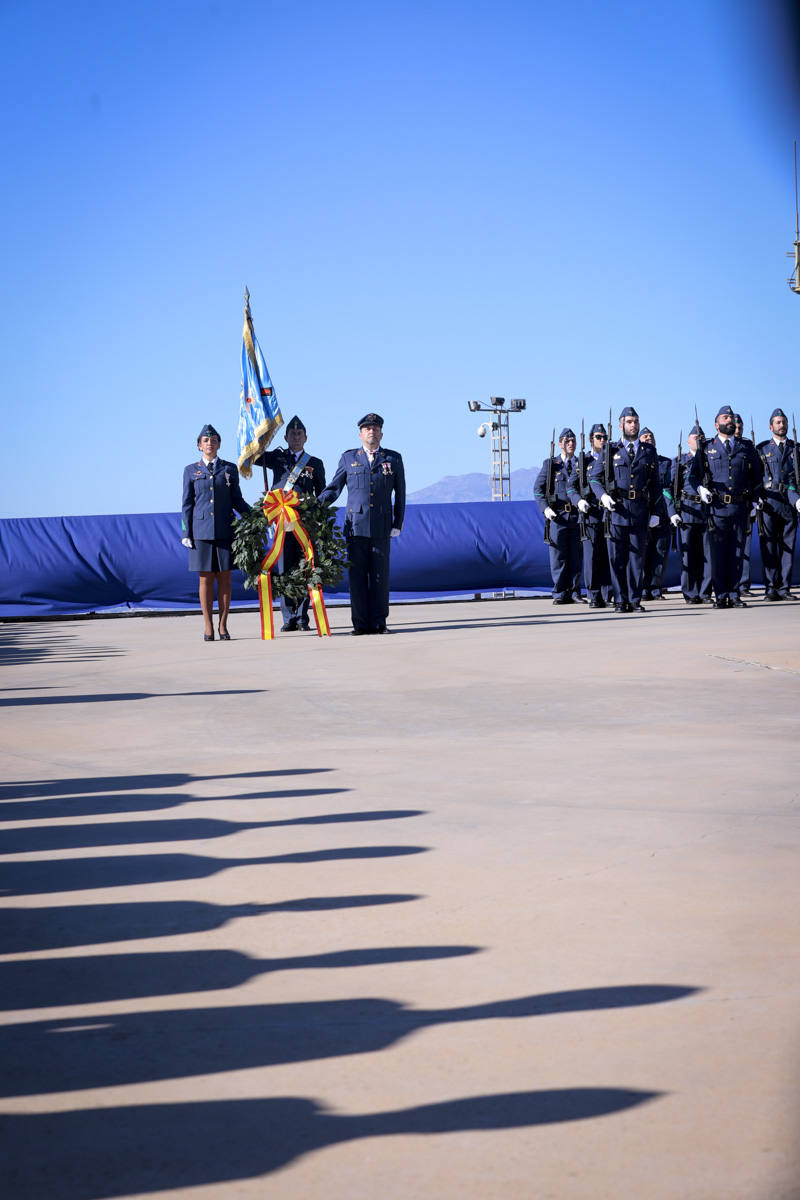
x=732, y=497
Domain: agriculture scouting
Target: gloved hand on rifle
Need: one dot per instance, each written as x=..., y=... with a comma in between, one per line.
x=797, y=505
x=654, y=520
x=675, y=520
x=583, y=505
x=188, y=543
x=607, y=502
x=550, y=513
x=704, y=494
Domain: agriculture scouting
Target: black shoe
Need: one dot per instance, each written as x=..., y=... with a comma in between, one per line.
x=289, y=626
x=380, y=629
x=737, y=603
x=787, y=596
x=647, y=595
x=358, y=632
x=208, y=637
x=721, y=603
x=596, y=604
x=304, y=626
x=563, y=600
x=655, y=596
x=636, y=608
x=620, y=608
x=224, y=637
x=773, y=596
x=578, y=598
x=745, y=591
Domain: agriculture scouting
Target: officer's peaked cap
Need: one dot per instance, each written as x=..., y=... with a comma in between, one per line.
x=726, y=411
x=295, y=423
x=628, y=412
x=776, y=412
x=597, y=429
x=370, y=419
x=208, y=431
x=566, y=432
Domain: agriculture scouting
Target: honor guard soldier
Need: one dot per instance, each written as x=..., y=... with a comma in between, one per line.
x=293, y=470
x=561, y=520
x=596, y=573
x=688, y=515
x=628, y=489
x=376, y=503
x=660, y=535
x=726, y=475
x=778, y=524
x=744, y=582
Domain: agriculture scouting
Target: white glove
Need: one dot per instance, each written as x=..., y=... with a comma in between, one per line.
x=583, y=505
x=607, y=502
x=676, y=520
x=395, y=533
x=654, y=520
x=797, y=505
x=550, y=513
x=188, y=543
x=704, y=494
x=754, y=510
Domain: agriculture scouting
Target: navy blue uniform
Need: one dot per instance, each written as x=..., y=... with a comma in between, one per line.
x=732, y=472
x=207, y=507
x=660, y=536
x=779, y=516
x=634, y=487
x=596, y=572
x=693, y=533
x=564, y=544
x=376, y=504
x=309, y=482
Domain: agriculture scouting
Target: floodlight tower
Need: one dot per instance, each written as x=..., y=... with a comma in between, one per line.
x=794, y=279
x=500, y=477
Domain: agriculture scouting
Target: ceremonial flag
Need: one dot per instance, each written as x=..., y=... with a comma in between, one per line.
x=259, y=415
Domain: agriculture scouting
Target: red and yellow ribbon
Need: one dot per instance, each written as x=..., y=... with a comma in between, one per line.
x=280, y=509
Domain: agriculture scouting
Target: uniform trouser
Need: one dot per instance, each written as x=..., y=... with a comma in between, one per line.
x=726, y=537
x=565, y=556
x=655, y=560
x=777, y=550
x=291, y=555
x=369, y=581
x=695, y=561
x=744, y=581
x=596, y=573
x=627, y=547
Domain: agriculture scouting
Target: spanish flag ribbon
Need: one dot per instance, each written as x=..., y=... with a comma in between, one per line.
x=280, y=509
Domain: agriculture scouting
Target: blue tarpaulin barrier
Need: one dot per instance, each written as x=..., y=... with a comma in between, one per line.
x=51, y=566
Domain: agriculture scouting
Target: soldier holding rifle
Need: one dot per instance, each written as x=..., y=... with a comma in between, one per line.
x=596, y=574
x=659, y=536
x=687, y=515
x=777, y=526
x=561, y=519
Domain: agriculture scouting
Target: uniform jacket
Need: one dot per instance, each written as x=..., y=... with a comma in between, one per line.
x=634, y=486
x=687, y=505
x=595, y=512
x=559, y=500
x=736, y=475
x=778, y=468
x=209, y=501
x=311, y=479
x=664, y=485
x=376, y=495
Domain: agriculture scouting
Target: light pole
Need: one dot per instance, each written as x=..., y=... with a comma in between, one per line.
x=500, y=477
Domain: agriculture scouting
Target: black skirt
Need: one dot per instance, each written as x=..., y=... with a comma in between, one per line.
x=211, y=556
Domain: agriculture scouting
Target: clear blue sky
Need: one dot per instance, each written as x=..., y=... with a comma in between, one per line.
x=586, y=204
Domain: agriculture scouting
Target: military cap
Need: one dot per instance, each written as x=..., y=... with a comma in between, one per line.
x=597, y=429
x=208, y=431
x=566, y=432
x=296, y=423
x=725, y=411
x=371, y=419
x=738, y=419
x=642, y=432
x=628, y=412
x=695, y=431
x=777, y=412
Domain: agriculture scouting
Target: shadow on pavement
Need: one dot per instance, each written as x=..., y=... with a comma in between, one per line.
x=24, y=789
x=48, y=809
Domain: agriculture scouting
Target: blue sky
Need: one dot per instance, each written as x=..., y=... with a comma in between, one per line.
x=583, y=204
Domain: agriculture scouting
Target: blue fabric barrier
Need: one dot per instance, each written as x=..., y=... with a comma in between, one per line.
x=52, y=566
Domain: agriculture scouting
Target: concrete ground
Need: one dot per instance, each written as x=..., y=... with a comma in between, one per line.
x=504, y=905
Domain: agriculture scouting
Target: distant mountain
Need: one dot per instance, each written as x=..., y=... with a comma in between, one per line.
x=461, y=489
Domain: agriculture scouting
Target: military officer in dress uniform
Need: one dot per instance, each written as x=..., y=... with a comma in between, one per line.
x=660, y=535
x=596, y=573
x=778, y=526
x=630, y=497
x=376, y=504
x=561, y=514
x=726, y=475
x=688, y=514
x=293, y=470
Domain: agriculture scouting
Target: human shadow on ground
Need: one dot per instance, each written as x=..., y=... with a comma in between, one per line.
x=40, y=839
x=26, y=929
x=107, y=1152
x=102, y=978
x=129, y=870
x=28, y=789
x=22, y=644
x=110, y=1050
x=108, y=697
x=48, y=809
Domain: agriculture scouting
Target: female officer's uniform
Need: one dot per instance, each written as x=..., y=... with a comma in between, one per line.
x=211, y=493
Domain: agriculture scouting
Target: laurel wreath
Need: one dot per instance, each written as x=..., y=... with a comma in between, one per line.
x=250, y=540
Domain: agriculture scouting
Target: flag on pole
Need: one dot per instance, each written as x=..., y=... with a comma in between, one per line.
x=259, y=414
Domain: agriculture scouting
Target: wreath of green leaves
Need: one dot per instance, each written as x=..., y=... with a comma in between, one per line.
x=330, y=550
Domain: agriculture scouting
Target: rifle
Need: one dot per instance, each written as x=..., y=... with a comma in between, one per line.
x=706, y=473
x=548, y=487
x=795, y=463
x=582, y=488
x=677, y=489
x=608, y=481
x=759, y=515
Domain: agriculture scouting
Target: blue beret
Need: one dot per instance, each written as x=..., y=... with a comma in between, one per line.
x=370, y=419
x=208, y=431
x=628, y=412
x=566, y=433
x=597, y=429
x=295, y=423
x=725, y=411
x=777, y=412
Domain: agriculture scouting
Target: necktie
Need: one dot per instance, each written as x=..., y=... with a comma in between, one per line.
x=728, y=448
x=569, y=466
x=631, y=451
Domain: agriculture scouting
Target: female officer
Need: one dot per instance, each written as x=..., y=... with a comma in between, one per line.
x=210, y=494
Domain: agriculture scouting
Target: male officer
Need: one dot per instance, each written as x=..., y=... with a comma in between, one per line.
x=778, y=518
x=744, y=582
x=726, y=475
x=687, y=513
x=596, y=574
x=376, y=503
x=293, y=470
x=562, y=517
x=660, y=535
x=630, y=497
